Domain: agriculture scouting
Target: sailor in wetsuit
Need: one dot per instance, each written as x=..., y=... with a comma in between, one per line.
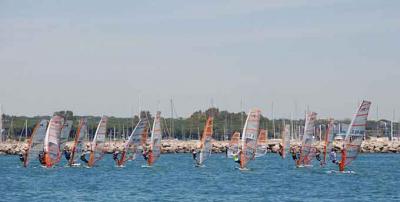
x=332, y=157
x=41, y=157
x=67, y=153
x=83, y=156
x=318, y=155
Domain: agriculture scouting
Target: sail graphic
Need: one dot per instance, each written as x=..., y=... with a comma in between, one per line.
x=249, y=137
x=137, y=141
x=355, y=135
x=97, y=145
x=155, y=140
x=65, y=132
x=285, y=141
x=234, y=144
x=78, y=144
x=307, y=151
x=35, y=142
x=328, y=142
x=52, y=141
x=261, y=144
x=206, y=144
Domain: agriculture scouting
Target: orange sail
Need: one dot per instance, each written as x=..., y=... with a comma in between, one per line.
x=155, y=141
x=78, y=140
x=234, y=144
x=206, y=138
x=328, y=141
x=262, y=144
x=307, y=152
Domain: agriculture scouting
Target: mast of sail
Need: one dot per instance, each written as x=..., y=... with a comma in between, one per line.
x=135, y=141
x=52, y=141
x=355, y=135
x=286, y=141
x=249, y=137
x=78, y=140
x=97, y=145
x=155, y=140
x=206, y=138
x=328, y=141
x=307, y=151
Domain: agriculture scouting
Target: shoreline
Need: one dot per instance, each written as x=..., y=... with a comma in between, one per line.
x=376, y=145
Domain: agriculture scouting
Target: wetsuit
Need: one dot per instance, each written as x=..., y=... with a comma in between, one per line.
x=115, y=156
x=332, y=156
x=236, y=158
x=67, y=155
x=318, y=156
x=294, y=156
x=145, y=156
x=83, y=158
x=41, y=158
x=194, y=154
x=22, y=157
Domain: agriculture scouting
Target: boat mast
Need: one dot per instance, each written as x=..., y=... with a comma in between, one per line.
x=1, y=123
x=391, y=125
x=273, y=120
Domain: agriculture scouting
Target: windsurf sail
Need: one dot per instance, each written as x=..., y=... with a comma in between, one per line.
x=136, y=142
x=285, y=141
x=97, y=145
x=307, y=152
x=234, y=144
x=261, y=144
x=206, y=141
x=35, y=142
x=328, y=142
x=66, y=130
x=355, y=135
x=52, y=141
x=155, y=140
x=249, y=138
x=78, y=144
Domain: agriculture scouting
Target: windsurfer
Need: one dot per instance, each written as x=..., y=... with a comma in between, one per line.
x=24, y=154
x=318, y=155
x=294, y=154
x=83, y=156
x=41, y=158
x=115, y=155
x=332, y=156
x=194, y=154
x=236, y=156
x=67, y=153
x=280, y=151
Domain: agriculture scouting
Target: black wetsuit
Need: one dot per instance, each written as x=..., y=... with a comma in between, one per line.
x=41, y=158
x=115, y=156
x=194, y=154
x=67, y=155
x=294, y=156
x=83, y=158
x=21, y=157
x=318, y=156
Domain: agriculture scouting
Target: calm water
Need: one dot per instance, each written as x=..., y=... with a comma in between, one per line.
x=174, y=178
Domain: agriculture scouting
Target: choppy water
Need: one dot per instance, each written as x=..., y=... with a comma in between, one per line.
x=174, y=178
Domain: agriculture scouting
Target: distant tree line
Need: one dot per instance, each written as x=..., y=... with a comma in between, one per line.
x=225, y=124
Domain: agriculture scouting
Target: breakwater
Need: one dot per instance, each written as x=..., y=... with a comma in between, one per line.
x=376, y=145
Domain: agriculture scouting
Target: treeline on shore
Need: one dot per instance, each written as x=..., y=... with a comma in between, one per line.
x=225, y=123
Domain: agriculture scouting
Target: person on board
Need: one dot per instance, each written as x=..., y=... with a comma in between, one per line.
x=115, y=155
x=67, y=153
x=42, y=155
x=226, y=151
x=236, y=156
x=294, y=155
x=332, y=156
x=194, y=154
x=149, y=155
x=318, y=155
x=280, y=150
x=83, y=156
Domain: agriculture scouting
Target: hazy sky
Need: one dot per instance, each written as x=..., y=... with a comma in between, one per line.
x=97, y=57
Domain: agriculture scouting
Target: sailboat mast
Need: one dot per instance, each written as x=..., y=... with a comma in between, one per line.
x=273, y=120
x=1, y=123
x=391, y=125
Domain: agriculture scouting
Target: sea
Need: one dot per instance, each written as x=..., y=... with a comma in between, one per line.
x=372, y=177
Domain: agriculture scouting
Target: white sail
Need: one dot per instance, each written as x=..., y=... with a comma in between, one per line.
x=355, y=134
x=249, y=137
x=286, y=141
x=307, y=152
x=35, y=144
x=65, y=132
x=52, y=141
x=99, y=139
x=234, y=144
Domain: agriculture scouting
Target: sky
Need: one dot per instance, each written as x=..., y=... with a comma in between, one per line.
x=115, y=57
